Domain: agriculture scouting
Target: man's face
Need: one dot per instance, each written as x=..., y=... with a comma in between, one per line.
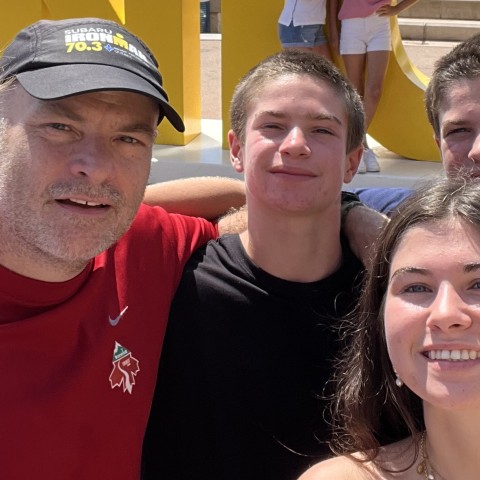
x=294, y=155
x=72, y=174
x=459, y=140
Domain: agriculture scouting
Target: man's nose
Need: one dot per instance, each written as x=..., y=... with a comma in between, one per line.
x=93, y=158
x=295, y=143
x=474, y=152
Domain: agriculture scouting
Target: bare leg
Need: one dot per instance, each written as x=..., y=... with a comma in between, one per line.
x=355, y=66
x=319, y=50
x=358, y=72
x=377, y=63
x=302, y=49
x=323, y=50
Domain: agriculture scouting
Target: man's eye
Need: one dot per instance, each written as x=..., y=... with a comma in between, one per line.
x=323, y=130
x=127, y=139
x=59, y=126
x=455, y=130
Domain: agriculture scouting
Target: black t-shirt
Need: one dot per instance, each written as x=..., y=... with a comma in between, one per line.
x=243, y=370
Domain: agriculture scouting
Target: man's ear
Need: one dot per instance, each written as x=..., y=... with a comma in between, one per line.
x=352, y=161
x=437, y=141
x=236, y=152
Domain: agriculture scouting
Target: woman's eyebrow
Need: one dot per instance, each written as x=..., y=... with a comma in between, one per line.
x=404, y=270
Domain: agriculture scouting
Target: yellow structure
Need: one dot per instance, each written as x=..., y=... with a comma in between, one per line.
x=400, y=123
x=170, y=27
x=249, y=34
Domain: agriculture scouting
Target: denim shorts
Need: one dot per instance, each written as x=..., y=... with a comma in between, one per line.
x=301, y=35
x=361, y=35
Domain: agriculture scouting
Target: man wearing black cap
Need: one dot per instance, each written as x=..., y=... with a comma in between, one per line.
x=87, y=273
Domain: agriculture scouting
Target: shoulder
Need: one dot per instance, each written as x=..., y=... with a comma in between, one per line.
x=383, y=199
x=341, y=468
x=225, y=250
x=155, y=220
x=216, y=262
x=397, y=458
x=154, y=214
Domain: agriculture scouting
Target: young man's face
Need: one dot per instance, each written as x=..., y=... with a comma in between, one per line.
x=294, y=156
x=72, y=172
x=459, y=118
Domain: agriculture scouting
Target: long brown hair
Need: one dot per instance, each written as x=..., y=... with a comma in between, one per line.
x=367, y=399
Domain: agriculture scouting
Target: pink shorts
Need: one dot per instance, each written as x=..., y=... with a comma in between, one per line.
x=361, y=35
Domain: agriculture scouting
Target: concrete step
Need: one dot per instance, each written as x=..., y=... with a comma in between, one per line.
x=428, y=29
x=440, y=20
x=444, y=9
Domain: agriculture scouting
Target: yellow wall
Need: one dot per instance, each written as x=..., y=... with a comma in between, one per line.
x=171, y=28
x=249, y=34
x=400, y=123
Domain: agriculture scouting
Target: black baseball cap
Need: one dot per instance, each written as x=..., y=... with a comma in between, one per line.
x=54, y=59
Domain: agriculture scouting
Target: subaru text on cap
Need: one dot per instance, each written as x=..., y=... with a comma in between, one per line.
x=57, y=59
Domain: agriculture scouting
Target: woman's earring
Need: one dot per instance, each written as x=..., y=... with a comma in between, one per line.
x=398, y=380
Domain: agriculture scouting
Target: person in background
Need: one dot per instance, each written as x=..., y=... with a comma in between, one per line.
x=413, y=362
x=254, y=325
x=301, y=25
x=364, y=43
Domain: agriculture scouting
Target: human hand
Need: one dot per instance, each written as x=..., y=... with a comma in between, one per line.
x=362, y=226
x=387, y=11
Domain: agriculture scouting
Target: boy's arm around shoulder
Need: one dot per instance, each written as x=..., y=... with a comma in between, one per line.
x=207, y=197
x=234, y=221
x=362, y=226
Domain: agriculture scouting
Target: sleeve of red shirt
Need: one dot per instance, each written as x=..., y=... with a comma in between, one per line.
x=173, y=237
x=192, y=233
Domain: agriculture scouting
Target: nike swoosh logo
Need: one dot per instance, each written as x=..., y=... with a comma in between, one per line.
x=114, y=321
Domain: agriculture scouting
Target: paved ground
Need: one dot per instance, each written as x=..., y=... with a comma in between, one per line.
x=204, y=155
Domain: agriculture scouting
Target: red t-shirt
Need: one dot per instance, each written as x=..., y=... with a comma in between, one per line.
x=78, y=359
